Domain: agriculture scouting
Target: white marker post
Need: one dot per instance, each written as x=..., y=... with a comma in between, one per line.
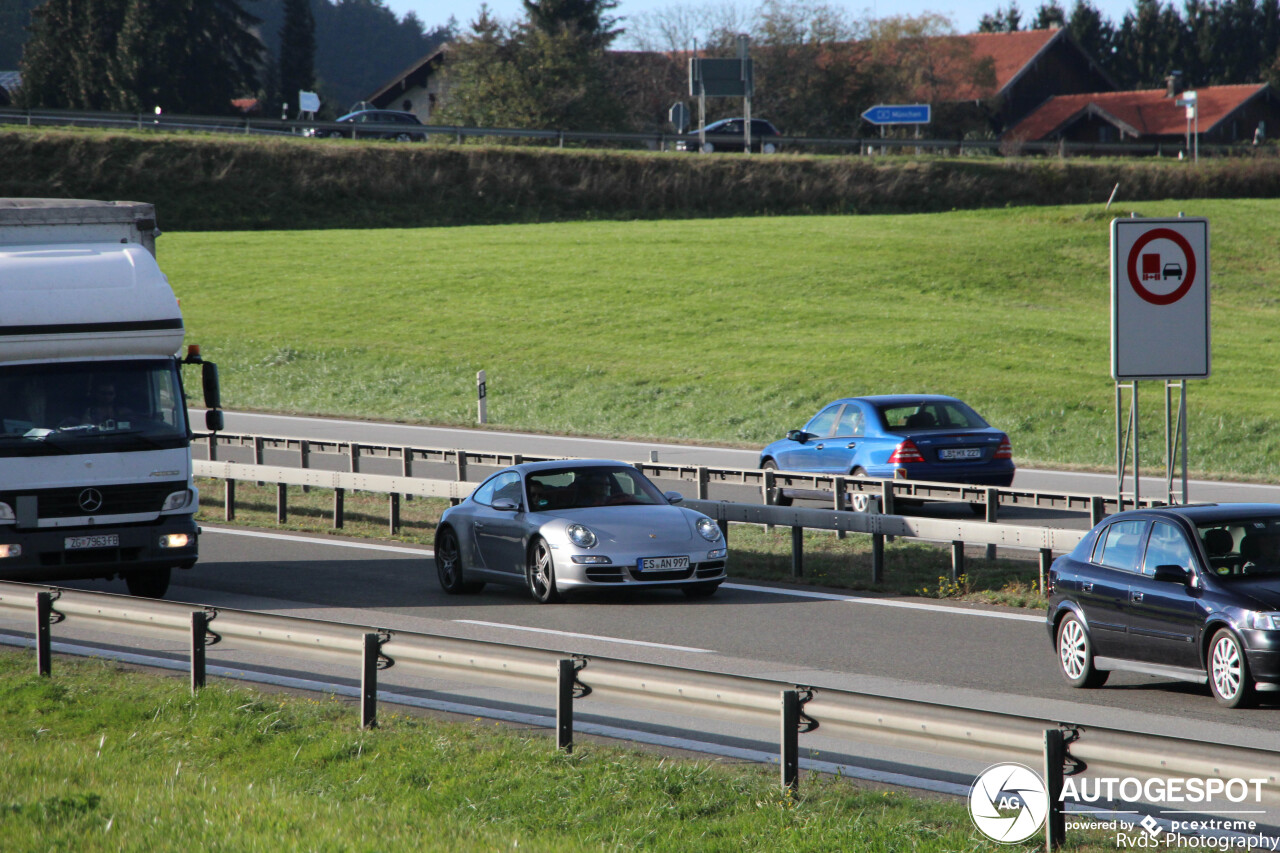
x=482, y=393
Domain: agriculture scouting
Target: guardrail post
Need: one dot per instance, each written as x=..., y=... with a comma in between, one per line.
x=789, y=759
x=282, y=502
x=1096, y=512
x=886, y=495
x=339, y=499
x=564, y=704
x=957, y=560
x=229, y=500
x=44, y=644
x=703, y=480
x=767, y=491
x=797, y=552
x=1055, y=822
x=257, y=452
x=212, y=443
x=199, y=627
x=723, y=524
x=460, y=457
x=369, y=682
x=353, y=451
x=992, y=515
x=877, y=558
x=304, y=459
x=1046, y=560
x=394, y=521
x=838, y=487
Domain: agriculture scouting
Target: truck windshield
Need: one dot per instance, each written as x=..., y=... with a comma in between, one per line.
x=91, y=407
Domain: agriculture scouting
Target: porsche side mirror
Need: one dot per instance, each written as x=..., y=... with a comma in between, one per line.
x=673, y=497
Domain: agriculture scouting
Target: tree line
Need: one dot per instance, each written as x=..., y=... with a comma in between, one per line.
x=817, y=67
x=1219, y=42
x=197, y=56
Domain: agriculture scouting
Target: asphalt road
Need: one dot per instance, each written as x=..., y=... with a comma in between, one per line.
x=692, y=454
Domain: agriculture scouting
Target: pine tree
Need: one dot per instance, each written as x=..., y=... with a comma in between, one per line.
x=70, y=54
x=297, y=51
x=585, y=20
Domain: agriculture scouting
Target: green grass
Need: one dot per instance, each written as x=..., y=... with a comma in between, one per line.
x=911, y=567
x=98, y=758
x=730, y=331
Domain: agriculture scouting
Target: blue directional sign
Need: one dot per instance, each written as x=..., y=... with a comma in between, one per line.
x=898, y=114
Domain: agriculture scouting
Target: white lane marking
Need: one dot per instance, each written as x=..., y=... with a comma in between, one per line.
x=495, y=433
x=337, y=543
x=884, y=602
x=794, y=593
x=584, y=636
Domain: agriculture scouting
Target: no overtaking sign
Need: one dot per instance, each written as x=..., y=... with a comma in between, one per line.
x=1160, y=298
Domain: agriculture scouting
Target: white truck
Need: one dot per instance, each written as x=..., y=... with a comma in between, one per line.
x=95, y=445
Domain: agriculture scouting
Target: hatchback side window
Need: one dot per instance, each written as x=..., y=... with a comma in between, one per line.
x=1119, y=544
x=850, y=422
x=1168, y=547
x=823, y=422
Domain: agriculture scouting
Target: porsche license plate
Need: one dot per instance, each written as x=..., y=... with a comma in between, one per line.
x=960, y=453
x=73, y=543
x=662, y=564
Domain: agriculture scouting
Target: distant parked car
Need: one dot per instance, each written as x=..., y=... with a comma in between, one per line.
x=904, y=437
x=1190, y=593
x=557, y=527
x=377, y=124
x=729, y=135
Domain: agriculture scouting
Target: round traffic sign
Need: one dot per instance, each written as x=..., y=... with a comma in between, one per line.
x=1136, y=279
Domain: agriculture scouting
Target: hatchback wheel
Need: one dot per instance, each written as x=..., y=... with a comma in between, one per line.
x=449, y=565
x=1075, y=655
x=1229, y=671
x=541, y=573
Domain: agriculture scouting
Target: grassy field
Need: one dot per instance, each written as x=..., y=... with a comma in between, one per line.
x=98, y=758
x=730, y=331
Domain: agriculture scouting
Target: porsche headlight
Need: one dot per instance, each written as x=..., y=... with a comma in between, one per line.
x=581, y=536
x=708, y=529
x=1263, y=621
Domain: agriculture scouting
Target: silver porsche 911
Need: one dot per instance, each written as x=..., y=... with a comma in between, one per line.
x=573, y=524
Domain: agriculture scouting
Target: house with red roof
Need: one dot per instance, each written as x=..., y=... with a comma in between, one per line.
x=1226, y=114
x=1029, y=66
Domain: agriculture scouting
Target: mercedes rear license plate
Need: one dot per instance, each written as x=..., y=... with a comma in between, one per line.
x=73, y=543
x=662, y=564
x=960, y=453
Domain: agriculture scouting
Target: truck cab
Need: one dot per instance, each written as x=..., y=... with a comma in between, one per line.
x=95, y=459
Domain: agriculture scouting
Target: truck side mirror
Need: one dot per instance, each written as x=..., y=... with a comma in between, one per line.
x=209, y=378
x=213, y=420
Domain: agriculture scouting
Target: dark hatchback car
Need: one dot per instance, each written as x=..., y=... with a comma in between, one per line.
x=729, y=134
x=899, y=436
x=1189, y=593
x=378, y=124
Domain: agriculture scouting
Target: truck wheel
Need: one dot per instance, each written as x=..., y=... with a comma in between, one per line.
x=152, y=584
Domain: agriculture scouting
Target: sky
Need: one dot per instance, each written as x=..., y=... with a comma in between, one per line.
x=964, y=14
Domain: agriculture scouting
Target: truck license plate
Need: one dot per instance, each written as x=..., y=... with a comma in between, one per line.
x=73, y=543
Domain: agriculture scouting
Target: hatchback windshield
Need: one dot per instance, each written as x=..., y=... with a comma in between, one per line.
x=941, y=414
x=1247, y=547
x=577, y=488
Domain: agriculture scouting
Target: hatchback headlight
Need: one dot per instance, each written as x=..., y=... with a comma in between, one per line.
x=1263, y=621
x=581, y=536
x=708, y=529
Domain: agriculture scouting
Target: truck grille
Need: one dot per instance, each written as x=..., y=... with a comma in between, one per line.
x=123, y=499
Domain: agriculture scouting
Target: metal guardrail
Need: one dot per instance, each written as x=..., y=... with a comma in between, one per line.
x=741, y=495
x=655, y=141
x=928, y=727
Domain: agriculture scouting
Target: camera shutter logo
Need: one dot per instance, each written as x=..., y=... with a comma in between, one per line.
x=91, y=500
x=1008, y=803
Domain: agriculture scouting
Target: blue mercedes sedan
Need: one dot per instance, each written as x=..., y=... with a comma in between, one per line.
x=905, y=437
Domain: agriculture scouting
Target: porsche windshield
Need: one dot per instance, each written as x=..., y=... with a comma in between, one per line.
x=91, y=407
x=579, y=488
